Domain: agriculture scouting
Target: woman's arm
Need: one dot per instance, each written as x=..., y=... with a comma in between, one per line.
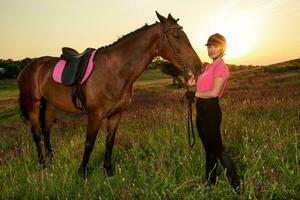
x=218, y=82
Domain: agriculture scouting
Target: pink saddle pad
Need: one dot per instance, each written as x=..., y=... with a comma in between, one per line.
x=60, y=65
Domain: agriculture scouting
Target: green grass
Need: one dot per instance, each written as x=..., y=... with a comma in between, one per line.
x=152, y=74
x=153, y=80
x=8, y=89
x=151, y=157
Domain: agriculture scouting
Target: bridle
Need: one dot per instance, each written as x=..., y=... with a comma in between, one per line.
x=173, y=48
x=186, y=69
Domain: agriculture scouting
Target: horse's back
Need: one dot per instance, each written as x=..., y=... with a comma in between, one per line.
x=31, y=70
x=32, y=74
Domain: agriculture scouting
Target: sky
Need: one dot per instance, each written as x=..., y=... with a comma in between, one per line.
x=258, y=32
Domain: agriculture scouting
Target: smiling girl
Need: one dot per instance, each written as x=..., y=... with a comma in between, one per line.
x=210, y=86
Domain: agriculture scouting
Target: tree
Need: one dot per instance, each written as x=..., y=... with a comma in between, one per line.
x=169, y=69
x=10, y=68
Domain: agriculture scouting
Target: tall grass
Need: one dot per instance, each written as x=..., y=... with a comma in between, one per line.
x=151, y=157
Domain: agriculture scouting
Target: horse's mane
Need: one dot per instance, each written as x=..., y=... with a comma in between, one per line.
x=125, y=37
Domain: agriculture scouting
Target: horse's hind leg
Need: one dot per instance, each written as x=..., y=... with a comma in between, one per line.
x=46, y=128
x=33, y=114
x=112, y=126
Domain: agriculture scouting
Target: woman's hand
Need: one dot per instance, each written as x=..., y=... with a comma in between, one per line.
x=191, y=82
x=190, y=95
x=191, y=79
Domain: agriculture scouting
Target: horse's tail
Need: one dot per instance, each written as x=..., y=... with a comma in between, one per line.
x=24, y=113
x=21, y=82
x=22, y=109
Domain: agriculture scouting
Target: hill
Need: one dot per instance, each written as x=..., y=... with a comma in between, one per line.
x=281, y=74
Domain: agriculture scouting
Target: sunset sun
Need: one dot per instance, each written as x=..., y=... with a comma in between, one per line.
x=241, y=34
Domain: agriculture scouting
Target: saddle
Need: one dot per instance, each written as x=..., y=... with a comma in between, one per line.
x=76, y=65
x=72, y=70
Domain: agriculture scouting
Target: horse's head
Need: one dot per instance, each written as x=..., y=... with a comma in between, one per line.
x=176, y=47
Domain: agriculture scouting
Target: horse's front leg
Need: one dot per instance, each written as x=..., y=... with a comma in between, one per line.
x=94, y=121
x=112, y=126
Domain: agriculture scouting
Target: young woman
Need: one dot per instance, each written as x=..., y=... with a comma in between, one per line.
x=210, y=86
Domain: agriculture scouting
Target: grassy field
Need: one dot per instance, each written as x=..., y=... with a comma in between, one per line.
x=151, y=158
x=8, y=89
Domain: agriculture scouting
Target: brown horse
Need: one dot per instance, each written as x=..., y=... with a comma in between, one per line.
x=108, y=90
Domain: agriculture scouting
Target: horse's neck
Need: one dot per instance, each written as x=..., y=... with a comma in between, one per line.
x=139, y=53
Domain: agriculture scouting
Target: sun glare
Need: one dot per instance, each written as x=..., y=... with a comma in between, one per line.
x=241, y=33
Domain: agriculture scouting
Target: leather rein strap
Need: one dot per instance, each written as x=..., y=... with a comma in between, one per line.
x=191, y=131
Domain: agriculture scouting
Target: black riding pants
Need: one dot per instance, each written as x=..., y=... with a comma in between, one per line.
x=208, y=121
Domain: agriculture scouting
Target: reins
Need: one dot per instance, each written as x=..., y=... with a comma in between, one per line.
x=190, y=126
x=191, y=132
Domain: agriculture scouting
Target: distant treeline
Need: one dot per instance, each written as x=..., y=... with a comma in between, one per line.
x=233, y=67
x=10, y=68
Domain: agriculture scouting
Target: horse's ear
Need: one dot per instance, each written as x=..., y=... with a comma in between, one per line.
x=161, y=18
x=170, y=17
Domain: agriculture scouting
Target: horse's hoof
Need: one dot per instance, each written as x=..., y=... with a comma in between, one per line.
x=108, y=172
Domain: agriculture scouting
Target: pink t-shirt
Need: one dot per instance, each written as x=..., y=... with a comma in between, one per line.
x=206, y=80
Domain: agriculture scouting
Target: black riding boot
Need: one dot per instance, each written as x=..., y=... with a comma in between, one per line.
x=211, y=168
x=230, y=171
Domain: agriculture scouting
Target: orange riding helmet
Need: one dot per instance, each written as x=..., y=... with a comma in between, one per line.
x=216, y=39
